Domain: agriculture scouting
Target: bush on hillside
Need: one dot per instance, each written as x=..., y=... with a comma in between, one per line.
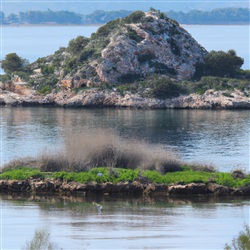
x=12, y=63
x=220, y=63
x=163, y=87
x=135, y=17
x=77, y=45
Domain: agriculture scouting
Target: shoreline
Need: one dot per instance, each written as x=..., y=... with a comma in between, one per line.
x=211, y=99
x=127, y=188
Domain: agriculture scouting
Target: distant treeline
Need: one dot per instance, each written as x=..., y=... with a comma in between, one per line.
x=216, y=16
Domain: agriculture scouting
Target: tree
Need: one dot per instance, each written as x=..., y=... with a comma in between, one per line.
x=13, y=62
x=220, y=63
x=77, y=45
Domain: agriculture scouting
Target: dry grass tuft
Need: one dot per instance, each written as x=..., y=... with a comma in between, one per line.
x=21, y=162
x=203, y=168
x=101, y=148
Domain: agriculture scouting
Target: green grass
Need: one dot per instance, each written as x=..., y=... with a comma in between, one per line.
x=21, y=173
x=108, y=175
x=116, y=175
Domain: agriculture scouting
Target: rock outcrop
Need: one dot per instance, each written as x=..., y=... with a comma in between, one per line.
x=124, y=50
x=54, y=186
x=103, y=98
x=152, y=45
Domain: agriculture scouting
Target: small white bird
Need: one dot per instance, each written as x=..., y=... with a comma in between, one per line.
x=99, y=207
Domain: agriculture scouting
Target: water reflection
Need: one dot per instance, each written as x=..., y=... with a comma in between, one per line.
x=216, y=137
x=125, y=223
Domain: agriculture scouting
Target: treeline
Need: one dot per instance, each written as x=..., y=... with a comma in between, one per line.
x=216, y=16
x=41, y=17
x=62, y=17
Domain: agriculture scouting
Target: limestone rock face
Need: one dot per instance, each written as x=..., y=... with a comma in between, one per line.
x=103, y=98
x=162, y=47
x=124, y=50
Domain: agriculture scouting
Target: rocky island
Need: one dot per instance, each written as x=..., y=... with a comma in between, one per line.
x=145, y=60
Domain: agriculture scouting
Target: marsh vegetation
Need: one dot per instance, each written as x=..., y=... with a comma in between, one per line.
x=103, y=156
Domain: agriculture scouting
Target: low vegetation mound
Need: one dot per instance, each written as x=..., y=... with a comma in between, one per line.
x=103, y=156
x=184, y=175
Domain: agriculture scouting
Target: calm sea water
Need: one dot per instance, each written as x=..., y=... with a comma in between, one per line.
x=35, y=42
x=74, y=223
x=220, y=138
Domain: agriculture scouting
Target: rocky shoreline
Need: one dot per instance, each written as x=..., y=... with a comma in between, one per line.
x=54, y=187
x=104, y=98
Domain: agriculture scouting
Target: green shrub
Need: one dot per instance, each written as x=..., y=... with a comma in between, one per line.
x=217, y=83
x=12, y=62
x=126, y=175
x=163, y=87
x=127, y=87
x=135, y=17
x=105, y=30
x=47, y=69
x=5, y=77
x=149, y=19
x=227, y=94
x=77, y=45
x=226, y=179
x=161, y=68
x=220, y=63
x=45, y=90
x=128, y=78
x=133, y=35
x=162, y=15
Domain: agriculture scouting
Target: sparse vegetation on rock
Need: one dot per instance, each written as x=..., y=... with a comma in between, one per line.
x=144, y=55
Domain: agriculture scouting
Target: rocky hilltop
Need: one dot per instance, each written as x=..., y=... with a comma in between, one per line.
x=126, y=49
x=145, y=60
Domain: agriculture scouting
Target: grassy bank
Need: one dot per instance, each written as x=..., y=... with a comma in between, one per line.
x=101, y=175
x=103, y=156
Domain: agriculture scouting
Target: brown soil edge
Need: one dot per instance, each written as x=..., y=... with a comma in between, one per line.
x=135, y=188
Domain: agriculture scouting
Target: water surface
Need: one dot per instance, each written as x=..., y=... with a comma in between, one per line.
x=220, y=138
x=125, y=223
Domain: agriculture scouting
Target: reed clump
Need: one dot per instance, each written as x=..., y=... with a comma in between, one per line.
x=102, y=148
x=105, y=148
x=242, y=242
x=41, y=241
